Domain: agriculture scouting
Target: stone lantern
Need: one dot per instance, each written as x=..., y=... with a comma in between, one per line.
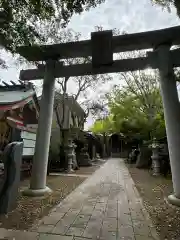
x=155, y=158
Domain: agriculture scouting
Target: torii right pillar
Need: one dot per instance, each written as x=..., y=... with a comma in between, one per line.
x=172, y=116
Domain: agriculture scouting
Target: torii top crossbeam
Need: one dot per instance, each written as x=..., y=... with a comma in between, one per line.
x=127, y=42
x=101, y=47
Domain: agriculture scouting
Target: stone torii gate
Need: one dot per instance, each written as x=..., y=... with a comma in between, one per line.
x=101, y=47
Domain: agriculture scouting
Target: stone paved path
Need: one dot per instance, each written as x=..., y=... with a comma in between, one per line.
x=106, y=206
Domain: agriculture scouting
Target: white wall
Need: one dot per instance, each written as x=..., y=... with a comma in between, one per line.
x=29, y=140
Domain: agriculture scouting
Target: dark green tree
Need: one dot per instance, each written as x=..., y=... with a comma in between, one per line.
x=21, y=22
x=168, y=4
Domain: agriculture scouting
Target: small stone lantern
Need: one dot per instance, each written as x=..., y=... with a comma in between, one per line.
x=69, y=153
x=155, y=158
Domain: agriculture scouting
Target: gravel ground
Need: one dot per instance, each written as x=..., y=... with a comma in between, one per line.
x=154, y=191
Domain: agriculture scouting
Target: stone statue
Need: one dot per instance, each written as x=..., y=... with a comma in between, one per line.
x=12, y=159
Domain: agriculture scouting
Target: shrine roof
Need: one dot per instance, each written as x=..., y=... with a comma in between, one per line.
x=15, y=95
x=8, y=97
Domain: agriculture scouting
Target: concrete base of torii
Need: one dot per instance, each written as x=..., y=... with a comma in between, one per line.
x=171, y=106
x=40, y=161
x=37, y=192
x=174, y=200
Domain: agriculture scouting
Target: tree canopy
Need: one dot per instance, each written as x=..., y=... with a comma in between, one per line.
x=22, y=21
x=103, y=125
x=168, y=3
x=135, y=107
x=133, y=118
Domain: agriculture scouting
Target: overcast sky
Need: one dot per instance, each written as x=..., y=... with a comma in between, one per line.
x=125, y=15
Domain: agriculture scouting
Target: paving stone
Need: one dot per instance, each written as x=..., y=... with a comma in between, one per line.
x=91, y=233
x=100, y=206
x=82, y=238
x=137, y=215
x=123, y=207
x=95, y=221
x=135, y=207
x=53, y=218
x=77, y=204
x=106, y=206
x=60, y=229
x=97, y=214
x=103, y=200
x=63, y=225
x=75, y=231
x=122, y=195
x=139, y=237
x=72, y=213
x=45, y=228
x=54, y=237
x=81, y=221
x=62, y=209
x=113, y=197
x=19, y=235
x=111, y=213
x=125, y=231
x=123, y=211
x=112, y=206
x=65, y=203
x=92, y=230
x=124, y=219
x=90, y=204
x=86, y=210
x=127, y=238
x=107, y=235
x=109, y=225
x=112, y=202
x=26, y=235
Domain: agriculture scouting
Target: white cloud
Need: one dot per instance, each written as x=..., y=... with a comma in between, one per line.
x=131, y=16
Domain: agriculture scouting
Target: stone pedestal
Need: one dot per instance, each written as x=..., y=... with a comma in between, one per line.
x=172, y=116
x=85, y=160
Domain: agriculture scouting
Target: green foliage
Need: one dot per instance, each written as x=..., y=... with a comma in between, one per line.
x=103, y=126
x=128, y=116
x=168, y=3
x=135, y=108
x=22, y=21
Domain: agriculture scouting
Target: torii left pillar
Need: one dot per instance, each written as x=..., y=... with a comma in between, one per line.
x=40, y=161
